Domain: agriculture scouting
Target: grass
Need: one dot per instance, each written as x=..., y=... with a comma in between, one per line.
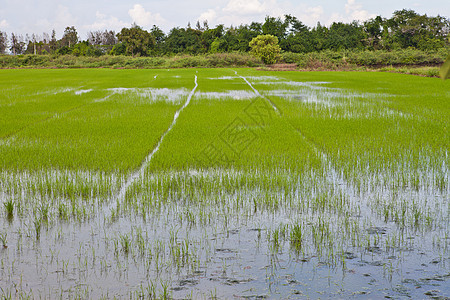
x=326, y=170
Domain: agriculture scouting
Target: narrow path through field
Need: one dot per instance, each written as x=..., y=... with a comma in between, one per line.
x=119, y=198
x=258, y=93
x=334, y=177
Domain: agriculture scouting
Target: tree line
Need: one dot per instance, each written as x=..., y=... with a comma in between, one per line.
x=405, y=29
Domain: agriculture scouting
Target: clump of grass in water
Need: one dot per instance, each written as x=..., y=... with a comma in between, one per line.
x=126, y=243
x=44, y=210
x=296, y=237
x=9, y=207
x=63, y=212
x=3, y=239
x=37, y=227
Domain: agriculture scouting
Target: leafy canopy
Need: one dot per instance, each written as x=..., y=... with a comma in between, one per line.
x=137, y=41
x=266, y=47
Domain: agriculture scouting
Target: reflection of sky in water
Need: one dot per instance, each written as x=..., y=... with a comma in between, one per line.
x=233, y=94
x=154, y=94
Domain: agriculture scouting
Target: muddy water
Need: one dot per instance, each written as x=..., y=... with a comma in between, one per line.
x=227, y=247
x=194, y=242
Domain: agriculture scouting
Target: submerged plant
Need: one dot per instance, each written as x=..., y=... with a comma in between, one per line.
x=3, y=239
x=125, y=241
x=9, y=207
x=37, y=227
x=296, y=237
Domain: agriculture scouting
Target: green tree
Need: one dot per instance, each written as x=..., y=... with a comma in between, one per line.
x=70, y=37
x=53, y=43
x=180, y=40
x=299, y=38
x=275, y=26
x=319, y=35
x=210, y=36
x=17, y=44
x=118, y=49
x=160, y=38
x=137, y=41
x=345, y=36
x=238, y=38
x=266, y=47
x=3, y=42
x=218, y=45
x=374, y=29
x=409, y=29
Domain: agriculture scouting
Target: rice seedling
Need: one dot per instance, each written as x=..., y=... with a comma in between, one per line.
x=37, y=227
x=4, y=240
x=9, y=208
x=263, y=181
x=296, y=237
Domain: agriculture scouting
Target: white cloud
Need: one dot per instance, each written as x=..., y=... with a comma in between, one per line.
x=244, y=7
x=4, y=24
x=145, y=18
x=354, y=11
x=59, y=21
x=63, y=17
x=104, y=22
x=310, y=15
x=237, y=12
x=209, y=15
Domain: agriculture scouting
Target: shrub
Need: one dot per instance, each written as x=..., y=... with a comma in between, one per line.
x=266, y=47
x=292, y=58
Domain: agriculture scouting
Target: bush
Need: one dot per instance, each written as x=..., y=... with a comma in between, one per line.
x=187, y=61
x=396, y=57
x=324, y=60
x=266, y=47
x=232, y=59
x=144, y=62
x=292, y=58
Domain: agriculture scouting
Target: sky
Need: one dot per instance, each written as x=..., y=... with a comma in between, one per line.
x=39, y=16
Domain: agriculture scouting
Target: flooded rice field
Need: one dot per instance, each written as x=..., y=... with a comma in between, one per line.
x=224, y=184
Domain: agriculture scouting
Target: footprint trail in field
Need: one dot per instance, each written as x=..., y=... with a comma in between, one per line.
x=119, y=198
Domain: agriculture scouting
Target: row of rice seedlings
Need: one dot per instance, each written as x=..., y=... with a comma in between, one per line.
x=428, y=171
x=394, y=152
x=336, y=104
x=415, y=183
x=56, y=184
x=55, y=196
x=83, y=265
x=265, y=190
x=319, y=238
x=24, y=113
x=95, y=136
x=216, y=208
x=400, y=171
x=320, y=221
x=170, y=254
x=324, y=241
x=411, y=209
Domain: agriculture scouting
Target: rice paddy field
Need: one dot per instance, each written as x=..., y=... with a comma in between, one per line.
x=221, y=183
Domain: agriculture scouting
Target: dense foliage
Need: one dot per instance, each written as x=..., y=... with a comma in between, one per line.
x=266, y=47
x=324, y=60
x=405, y=29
